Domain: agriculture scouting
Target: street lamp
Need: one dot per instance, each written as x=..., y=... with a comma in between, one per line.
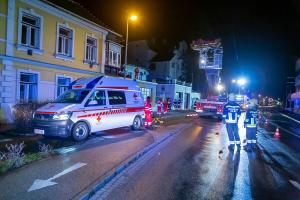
x=220, y=88
x=131, y=18
x=233, y=81
x=241, y=82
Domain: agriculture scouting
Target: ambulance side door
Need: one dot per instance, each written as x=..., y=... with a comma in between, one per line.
x=97, y=111
x=117, y=105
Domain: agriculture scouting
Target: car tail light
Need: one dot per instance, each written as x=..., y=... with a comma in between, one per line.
x=220, y=109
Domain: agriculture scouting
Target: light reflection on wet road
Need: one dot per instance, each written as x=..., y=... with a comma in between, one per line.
x=197, y=165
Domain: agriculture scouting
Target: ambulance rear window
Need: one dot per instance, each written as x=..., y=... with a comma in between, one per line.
x=116, y=97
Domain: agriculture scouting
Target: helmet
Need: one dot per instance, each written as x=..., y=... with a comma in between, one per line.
x=253, y=103
x=231, y=97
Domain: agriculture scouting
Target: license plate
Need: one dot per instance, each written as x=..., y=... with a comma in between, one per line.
x=39, y=131
x=210, y=107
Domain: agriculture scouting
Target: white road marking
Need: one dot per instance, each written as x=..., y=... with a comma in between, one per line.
x=281, y=128
x=290, y=118
x=6, y=140
x=295, y=184
x=39, y=184
x=109, y=137
x=64, y=150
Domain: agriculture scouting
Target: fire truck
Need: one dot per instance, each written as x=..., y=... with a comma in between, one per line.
x=212, y=106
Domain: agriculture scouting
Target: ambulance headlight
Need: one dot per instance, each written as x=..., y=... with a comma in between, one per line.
x=62, y=116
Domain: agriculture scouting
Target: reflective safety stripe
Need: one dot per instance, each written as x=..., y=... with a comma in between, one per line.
x=253, y=141
x=249, y=141
x=238, y=142
x=251, y=125
x=231, y=142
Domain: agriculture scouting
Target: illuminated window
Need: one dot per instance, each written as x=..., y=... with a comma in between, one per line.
x=146, y=92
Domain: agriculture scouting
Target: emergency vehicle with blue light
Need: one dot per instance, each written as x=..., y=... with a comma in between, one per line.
x=212, y=106
x=90, y=105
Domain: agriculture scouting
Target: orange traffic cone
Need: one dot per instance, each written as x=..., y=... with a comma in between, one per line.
x=277, y=133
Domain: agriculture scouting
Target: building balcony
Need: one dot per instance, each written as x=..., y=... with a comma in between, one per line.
x=174, y=81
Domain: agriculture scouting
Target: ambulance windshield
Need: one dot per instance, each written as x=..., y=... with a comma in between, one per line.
x=72, y=96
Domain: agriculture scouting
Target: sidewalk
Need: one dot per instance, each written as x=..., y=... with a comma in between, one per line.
x=97, y=165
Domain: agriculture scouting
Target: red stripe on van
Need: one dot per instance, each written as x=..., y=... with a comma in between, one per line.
x=78, y=86
x=119, y=111
x=45, y=113
x=113, y=87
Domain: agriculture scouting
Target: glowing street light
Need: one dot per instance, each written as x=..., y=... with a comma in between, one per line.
x=131, y=18
x=241, y=81
x=233, y=81
x=219, y=88
x=202, y=61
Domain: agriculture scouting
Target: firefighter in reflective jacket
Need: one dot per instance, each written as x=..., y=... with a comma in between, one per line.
x=231, y=115
x=148, y=113
x=159, y=106
x=250, y=123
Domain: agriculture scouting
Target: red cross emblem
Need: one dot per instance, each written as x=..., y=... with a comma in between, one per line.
x=98, y=118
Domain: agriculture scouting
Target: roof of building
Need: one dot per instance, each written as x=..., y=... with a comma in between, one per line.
x=163, y=56
x=78, y=9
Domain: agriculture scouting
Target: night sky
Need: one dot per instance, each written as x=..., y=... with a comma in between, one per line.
x=261, y=41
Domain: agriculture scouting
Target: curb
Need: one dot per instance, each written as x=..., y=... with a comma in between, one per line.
x=133, y=159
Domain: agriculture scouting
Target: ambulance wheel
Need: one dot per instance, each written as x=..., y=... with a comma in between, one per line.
x=137, y=123
x=80, y=131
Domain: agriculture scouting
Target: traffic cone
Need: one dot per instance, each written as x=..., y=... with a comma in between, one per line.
x=277, y=133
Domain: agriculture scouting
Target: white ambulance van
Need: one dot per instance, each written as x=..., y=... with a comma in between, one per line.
x=90, y=105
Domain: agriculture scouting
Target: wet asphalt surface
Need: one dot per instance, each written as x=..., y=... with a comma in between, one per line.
x=197, y=165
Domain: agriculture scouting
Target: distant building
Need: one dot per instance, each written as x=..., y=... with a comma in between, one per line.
x=113, y=54
x=295, y=97
x=168, y=69
x=45, y=45
x=140, y=54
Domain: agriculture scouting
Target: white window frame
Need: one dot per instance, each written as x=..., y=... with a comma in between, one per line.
x=111, y=59
x=19, y=71
x=21, y=47
x=58, y=55
x=85, y=61
x=56, y=81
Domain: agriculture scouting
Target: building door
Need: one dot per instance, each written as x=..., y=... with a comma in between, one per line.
x=186, y=100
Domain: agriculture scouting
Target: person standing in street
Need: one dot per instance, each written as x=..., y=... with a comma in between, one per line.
x=165, y=106
x=250, y=124
x=231, y=115
x=148, y=113
x=159, y=106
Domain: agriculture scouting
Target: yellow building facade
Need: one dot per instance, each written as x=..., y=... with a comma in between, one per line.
x=43, y=48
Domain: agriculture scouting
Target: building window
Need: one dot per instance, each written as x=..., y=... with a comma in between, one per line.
x=65, y=41
x=116, y=97
x=28, y=86
x=30, y=30
x=146, y=92
x=62, y=85
x=114, y=58
x=91, y=49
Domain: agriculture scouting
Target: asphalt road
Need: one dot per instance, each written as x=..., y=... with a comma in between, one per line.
x=288, y=125
x=196, y=164
x=78, y=167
